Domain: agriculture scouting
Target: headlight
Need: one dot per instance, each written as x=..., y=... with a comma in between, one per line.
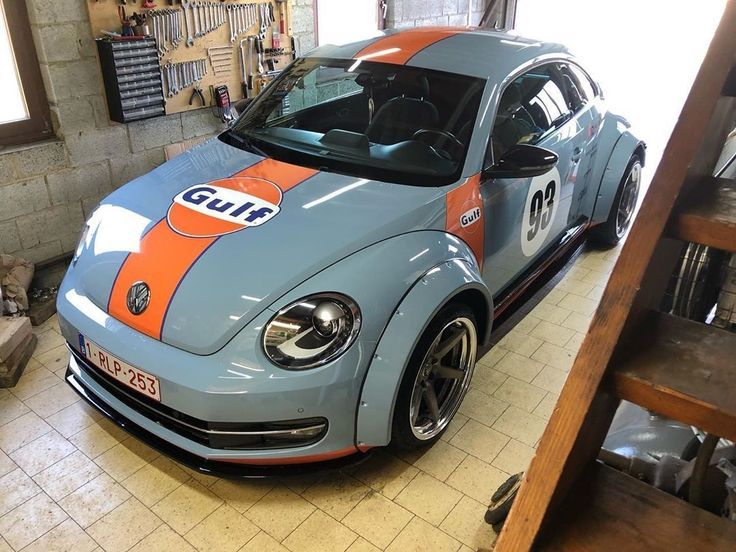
x=312, y=331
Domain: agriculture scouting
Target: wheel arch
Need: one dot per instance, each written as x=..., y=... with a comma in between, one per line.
x=625, y=147
x=456, y=280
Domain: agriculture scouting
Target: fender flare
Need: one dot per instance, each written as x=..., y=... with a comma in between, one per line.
x=425, y=298
x=624, y=148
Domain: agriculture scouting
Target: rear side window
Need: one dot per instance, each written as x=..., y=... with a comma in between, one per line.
x=586, y=86
x=531, y=106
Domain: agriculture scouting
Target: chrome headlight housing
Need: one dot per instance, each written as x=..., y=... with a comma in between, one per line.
x=312, y=331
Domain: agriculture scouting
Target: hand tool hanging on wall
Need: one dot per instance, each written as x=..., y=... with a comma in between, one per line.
x=197, y=93
x=241, y=17
x=167, y=28
x=247, y=66
x=179, y=76
x=221, y=59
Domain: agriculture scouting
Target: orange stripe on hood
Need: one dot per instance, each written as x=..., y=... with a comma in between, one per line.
x=464, y=206
x=165, y=256
x=399, y=48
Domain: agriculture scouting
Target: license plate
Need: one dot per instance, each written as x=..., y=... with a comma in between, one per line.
x=123, y=372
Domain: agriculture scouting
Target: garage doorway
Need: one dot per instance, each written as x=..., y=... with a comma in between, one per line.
x=644, y=54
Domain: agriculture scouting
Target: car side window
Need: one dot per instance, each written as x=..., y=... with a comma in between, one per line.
x=586, y=85
x=530, y=107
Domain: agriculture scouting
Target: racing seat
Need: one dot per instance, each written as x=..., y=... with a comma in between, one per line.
x=510, y=125
x=400, y=117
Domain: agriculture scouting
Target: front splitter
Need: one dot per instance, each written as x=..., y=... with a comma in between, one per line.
x=218, y=468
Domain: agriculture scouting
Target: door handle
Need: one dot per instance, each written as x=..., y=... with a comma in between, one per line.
x=577, y=153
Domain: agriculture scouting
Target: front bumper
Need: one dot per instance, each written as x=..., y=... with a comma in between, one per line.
x=232, y=468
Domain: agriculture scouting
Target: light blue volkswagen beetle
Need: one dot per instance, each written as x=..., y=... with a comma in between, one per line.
x=316, y=281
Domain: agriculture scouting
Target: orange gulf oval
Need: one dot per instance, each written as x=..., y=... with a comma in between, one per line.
x=189, y=222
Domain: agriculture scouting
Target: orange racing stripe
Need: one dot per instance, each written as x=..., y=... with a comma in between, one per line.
x=464, y=206
x=399, y=48
x=165, y=256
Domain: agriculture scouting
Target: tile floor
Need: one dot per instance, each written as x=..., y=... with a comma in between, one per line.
x=70, y=480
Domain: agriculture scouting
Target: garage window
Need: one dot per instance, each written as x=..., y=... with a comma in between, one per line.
x=24, y=110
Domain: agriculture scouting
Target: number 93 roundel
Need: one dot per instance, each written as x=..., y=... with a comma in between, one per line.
x=539, y=211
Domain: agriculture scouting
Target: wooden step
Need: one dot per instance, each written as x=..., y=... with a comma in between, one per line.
x=608, y=510
x=710, y=217
x=684, y=370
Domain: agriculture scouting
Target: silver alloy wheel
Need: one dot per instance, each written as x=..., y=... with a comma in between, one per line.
x=627, y=203
x=443, y=378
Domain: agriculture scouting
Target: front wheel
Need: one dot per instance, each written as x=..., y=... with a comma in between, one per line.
x=436, y=379
x=612, y=231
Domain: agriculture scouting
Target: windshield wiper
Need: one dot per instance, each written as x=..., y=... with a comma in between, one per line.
x=246, y=143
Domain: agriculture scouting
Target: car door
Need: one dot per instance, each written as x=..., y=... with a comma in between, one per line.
x=585, y=97
x=524, y=217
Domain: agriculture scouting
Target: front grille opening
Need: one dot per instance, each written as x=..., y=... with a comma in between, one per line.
x=215, y=435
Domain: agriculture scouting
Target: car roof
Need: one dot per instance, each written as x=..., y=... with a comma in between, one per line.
x=463, y=50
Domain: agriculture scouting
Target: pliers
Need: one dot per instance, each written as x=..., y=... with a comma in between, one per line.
x=197, y=92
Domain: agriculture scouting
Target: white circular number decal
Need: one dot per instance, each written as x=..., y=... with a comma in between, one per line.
x=539, y=211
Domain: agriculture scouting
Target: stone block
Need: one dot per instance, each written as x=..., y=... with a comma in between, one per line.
x=200, y=123
x=151, y=133
x=451, y=7
x=435, y=8
x=89, y=204
x=459, y=20
x=43, y=252
x=48, y=225
x=23, y=197
x=41, y=159
x=7, y=168
x=92, y=145
x=43, y=12
x=74, y=114
x=79, y=183
x=9, y=238
x=63, y=42
x=125, y=169
x=415, y=9
x=73, y=79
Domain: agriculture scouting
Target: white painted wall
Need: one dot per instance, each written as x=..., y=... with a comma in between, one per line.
x=645, y=53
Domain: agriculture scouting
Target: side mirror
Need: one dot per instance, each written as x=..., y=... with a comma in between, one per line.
x=522, y=161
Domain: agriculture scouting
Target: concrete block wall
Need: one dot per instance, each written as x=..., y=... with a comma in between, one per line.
x=421, y=13
x=48, y=189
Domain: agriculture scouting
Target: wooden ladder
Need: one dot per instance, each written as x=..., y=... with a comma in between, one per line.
x=681, y=369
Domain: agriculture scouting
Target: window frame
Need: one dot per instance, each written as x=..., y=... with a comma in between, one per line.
x=38, y=124
x=521, y=71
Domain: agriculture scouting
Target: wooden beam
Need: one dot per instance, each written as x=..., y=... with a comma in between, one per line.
x=583, y=414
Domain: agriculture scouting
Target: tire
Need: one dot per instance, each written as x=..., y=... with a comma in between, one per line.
x=421, y=425
x=610, y=233
x=501, y=502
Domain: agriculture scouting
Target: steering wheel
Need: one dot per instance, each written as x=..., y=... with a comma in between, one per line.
x=454, y=149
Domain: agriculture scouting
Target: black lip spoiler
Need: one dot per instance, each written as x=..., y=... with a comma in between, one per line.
x=229, y=470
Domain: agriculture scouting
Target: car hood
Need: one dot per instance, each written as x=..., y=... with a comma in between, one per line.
x=218, y=234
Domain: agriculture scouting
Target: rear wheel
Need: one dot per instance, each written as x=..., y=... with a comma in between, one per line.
x=612, y=231
x=436, y=379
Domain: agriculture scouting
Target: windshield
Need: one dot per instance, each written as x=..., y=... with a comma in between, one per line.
x=370, y=120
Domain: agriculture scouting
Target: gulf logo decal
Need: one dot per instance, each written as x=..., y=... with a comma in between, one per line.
x=196, y=219
x=224, y=206
x=464, y=207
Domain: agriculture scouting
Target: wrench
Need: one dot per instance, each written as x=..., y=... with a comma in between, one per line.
x=230, y=22
x=185, y=9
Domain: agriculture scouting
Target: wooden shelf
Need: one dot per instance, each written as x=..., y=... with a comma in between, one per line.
x=683, y=370
x=608, y=510
x=711, y=217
